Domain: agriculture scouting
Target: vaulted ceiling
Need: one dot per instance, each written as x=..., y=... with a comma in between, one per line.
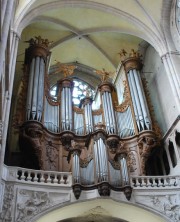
x=90, y=33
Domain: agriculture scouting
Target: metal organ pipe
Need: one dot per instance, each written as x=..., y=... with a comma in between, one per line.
x=148, y=118
x=86, y=104
x=40, y=90
x=136, y=96
x=76, y=167
x=36, y=56
x=30, y=89
x=35, y=88
x=141, y=98
x=112, y=113
x=134, y=102
x=124, y=169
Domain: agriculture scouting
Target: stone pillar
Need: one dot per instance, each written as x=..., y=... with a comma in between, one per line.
x=132, y=66
x=171, y=64
x=108, y=110
x=6, y=108
x=8, y=12
x=86, y=104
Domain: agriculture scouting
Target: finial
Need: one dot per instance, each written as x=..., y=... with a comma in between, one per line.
x=132, y=54
x=37, y=40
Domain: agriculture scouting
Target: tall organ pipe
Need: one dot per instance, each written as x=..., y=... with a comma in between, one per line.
x=86, y=104
x=124, y=169
x=36, y=58
x=106, y=89
x=76, y=167
x=29, y=94
x=66, y=107
x=132, y=66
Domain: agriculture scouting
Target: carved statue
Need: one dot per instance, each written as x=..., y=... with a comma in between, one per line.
x=67, y=70
x=52, y=155
x=105, y=75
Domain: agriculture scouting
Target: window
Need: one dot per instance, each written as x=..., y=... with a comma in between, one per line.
x=80, y=90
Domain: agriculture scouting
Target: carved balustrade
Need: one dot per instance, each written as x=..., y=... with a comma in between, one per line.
x=155, y=181
x=22, y=175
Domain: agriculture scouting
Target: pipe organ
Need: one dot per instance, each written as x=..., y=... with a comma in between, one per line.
x=101, y=147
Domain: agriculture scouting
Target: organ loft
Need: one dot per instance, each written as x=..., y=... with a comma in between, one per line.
x=102, y=147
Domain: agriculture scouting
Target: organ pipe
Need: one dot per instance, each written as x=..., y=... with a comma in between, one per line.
x=106, y=89
x=132, y=67
x=86, y=104
x=35, y=59
x=124, y=169
x=76, y=167
x=66, y=86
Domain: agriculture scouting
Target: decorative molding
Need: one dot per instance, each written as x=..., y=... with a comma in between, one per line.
x=127, y=100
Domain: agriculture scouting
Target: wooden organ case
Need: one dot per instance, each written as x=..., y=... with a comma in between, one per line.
x=101, y=147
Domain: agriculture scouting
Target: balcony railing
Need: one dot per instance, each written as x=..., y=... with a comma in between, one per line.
x=53, y=178
x=155, y=181
x=18, y=174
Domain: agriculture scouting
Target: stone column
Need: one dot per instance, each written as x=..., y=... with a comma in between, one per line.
x=6, y=108
x=171, y=64
x=8, y=12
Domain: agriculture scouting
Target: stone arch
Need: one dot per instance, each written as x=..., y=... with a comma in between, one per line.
x=149, y=35
x=122, y=211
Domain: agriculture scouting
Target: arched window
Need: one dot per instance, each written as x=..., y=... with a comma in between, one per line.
x=81, y=89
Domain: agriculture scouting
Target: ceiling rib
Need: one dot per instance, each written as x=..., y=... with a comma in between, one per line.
x=76, y=33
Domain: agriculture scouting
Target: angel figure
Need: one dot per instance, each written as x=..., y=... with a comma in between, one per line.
x=104, y=74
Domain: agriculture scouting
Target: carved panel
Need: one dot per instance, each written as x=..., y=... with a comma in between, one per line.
x=6, y=214
x=168, y=205
x=31, y=203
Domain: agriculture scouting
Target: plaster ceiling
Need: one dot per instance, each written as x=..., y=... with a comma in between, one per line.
x=87, y=35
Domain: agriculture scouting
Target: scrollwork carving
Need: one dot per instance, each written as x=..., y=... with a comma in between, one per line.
x=127, y=100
